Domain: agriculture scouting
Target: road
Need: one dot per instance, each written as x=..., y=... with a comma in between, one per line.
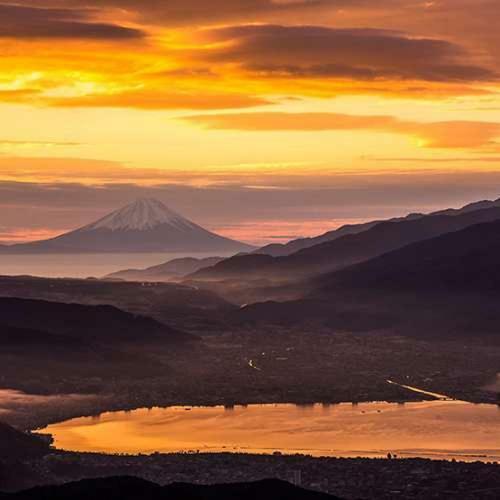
x=441, y=397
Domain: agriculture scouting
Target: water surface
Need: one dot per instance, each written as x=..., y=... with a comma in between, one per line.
x=433, y=429
x=83, y=265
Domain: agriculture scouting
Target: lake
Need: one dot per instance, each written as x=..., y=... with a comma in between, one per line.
x=83, y=265
x=431, y=429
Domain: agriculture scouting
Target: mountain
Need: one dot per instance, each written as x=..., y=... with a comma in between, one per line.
x=465, y=261
x=130, y=488
x=170, y=270
x=345, y=251
x=36, y=360
x=17, y=445
x=73, y=348
x=285, y=249
x=105, y=324
x=146, y=225
x=281, y=250
x=440, y=288
x=179, y=306
x=30, y=342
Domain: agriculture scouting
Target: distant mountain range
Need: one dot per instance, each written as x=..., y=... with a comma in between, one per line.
x=440, y=287
x=463, y=261
x=281, y=250
x=176, y=268
x=145, y=226
x=349, y=249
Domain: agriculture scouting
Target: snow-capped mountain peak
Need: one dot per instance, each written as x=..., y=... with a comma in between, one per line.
x=145, y=226
x=141, y=215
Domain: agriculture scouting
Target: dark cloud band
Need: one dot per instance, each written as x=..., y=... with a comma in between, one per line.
x=23, y=22
x=319, y=51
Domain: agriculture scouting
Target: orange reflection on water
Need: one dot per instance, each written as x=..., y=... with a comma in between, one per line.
x=444, y=429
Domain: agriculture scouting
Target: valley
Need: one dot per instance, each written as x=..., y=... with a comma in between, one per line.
x=394, y=331
x=299, y=366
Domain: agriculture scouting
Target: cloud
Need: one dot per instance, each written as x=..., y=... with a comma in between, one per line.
x=22, y=144
x=18, y=95
x=449, y=159
x=323, y=52
x=163, y=99
x=174, y=13
x=25, y=234
x=25, y=22
x=88, y=171
x=320, y=202
x=234, y=66
x=451, y=134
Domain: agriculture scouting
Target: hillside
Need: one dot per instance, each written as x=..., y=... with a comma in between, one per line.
x=176, y=305
x=106, y=324
x=280, y=250
x=345, y=251
x=466, y=261
x=440, y=288
x=173, y=269
x=16, y=445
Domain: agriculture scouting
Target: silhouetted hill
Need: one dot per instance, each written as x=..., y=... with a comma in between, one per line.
x=16, y=445
x=25, y=341
x=345, y=251
x=284, y=249
x=173, y=304
x=54, y=347
x=441, y=288
x=466, y=261
x=34, y=360
x=107, y=324
x=340, y=314
x=169, y=270
x=281, y=250
x=128, y=488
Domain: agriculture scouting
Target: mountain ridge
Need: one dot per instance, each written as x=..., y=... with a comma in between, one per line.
x=440, y=288
x=464, y=260
x=345, y=251
x=176, y=268
x=293, y=246
x=88, y=322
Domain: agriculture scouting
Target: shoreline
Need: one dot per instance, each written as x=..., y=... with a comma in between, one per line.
x=101, y=404
x=474, y=450
x=51, y=419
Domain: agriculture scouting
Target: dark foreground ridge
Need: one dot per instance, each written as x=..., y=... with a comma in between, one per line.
x=103, y=322
x=16, y=445
x=129, y=488
x=246, y=476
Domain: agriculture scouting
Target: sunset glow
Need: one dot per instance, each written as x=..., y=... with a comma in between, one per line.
x=252, y=95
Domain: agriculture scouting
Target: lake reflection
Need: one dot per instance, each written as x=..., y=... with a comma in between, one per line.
x=436, y=429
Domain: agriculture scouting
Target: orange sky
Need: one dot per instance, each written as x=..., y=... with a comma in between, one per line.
x=249, y=94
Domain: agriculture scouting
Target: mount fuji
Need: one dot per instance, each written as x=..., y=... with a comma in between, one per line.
x=145, y=226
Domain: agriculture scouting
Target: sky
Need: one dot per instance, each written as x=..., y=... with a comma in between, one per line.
x=264, y=120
